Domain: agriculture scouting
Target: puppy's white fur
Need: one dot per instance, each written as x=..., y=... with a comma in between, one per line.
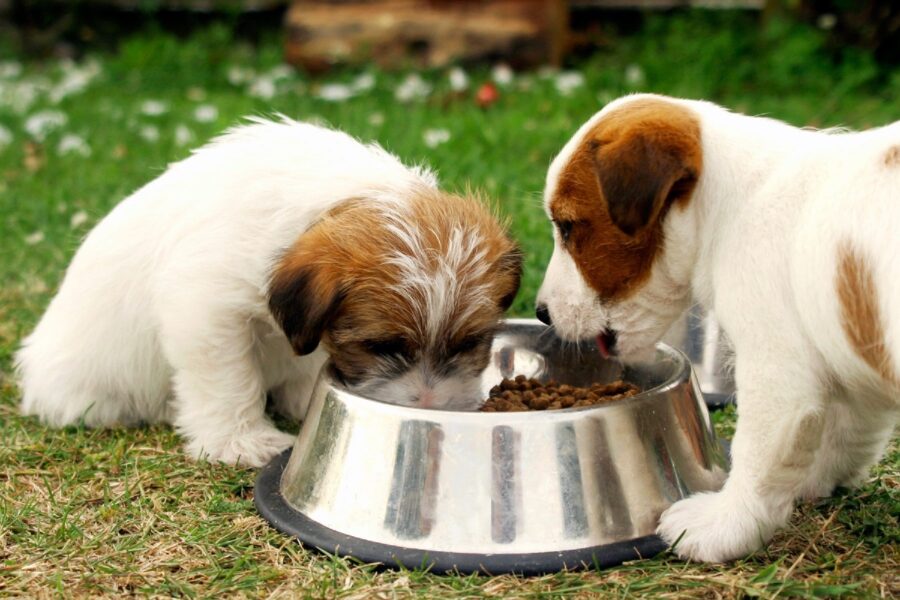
x=758, y=244
x=162, y=315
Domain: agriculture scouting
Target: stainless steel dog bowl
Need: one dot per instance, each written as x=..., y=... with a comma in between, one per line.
x=529, y=493
x=699, y=336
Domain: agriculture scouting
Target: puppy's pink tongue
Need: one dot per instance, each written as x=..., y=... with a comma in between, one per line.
x=602, y=345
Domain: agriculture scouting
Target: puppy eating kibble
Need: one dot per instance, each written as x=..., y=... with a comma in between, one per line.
x=790, y=236
x=214, y=285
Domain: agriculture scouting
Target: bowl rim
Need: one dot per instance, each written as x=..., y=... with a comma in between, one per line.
x=683, y=373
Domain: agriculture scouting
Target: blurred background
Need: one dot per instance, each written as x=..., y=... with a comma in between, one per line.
x=97, y=96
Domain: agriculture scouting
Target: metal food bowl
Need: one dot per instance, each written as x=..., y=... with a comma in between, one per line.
x=522, y=492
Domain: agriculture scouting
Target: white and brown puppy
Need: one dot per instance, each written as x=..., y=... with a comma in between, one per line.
x=194, y=297
x=790, y=236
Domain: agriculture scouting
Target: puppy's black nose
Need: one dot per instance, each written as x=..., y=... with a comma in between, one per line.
x=543, y=314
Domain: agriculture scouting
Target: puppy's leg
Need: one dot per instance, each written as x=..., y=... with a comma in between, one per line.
x=779, y=430
x=292, y=396
x=219, y=402
x=855, y=438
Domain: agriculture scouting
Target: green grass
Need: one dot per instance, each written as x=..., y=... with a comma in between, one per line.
x=87, y=513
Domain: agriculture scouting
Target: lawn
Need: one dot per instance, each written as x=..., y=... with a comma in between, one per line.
x=90, y=513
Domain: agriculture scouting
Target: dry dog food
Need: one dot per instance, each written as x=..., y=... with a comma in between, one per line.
x=521, y=394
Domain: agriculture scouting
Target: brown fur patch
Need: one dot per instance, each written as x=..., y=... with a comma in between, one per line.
x=892, y=157
x=630, y=169
x=860, y=311
x=340, y=282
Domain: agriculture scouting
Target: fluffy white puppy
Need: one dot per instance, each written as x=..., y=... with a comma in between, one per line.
x=214, y=284
x=791, y=237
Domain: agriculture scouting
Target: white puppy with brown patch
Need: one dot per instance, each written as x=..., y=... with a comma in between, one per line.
x=214, y=284
x=790, y=236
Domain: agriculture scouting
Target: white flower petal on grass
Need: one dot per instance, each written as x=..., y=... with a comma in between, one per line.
x=567, y=81
x=6, y=137
x=363, y=83
x=335, y=92
x=826, y=21
x=76, y=79
x=10, y=69
x=376, y=119
x=41, y=123
x=435, y=137
x=634, y=75
x=238, y=75
x=183, y=135
x=282, y=71
x=502, y=74
x=149, y=133
x=206, y=113
x=73, y=144
x=459, y=80
x=154, y=108
x=19, y=96
x=34, y=238
x=413, y=87
x=78, y=219
x=262, y=87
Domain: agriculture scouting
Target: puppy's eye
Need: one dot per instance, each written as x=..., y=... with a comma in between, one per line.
x=467, y=344
x=565, y=229
x=388, y=347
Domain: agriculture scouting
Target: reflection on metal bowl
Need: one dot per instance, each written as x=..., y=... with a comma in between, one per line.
x=530, y=492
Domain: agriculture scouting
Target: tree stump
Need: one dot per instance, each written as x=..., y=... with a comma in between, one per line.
x=424, y=33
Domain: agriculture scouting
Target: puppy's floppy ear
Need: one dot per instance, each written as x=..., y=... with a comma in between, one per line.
x=509, y=273
x=304, y=299
x=644, y=172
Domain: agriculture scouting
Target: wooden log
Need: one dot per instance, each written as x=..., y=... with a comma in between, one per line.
x=424, y=33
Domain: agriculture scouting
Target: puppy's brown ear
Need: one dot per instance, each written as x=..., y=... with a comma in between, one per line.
x=509, y=274
x=643, y=173
x=304, y=299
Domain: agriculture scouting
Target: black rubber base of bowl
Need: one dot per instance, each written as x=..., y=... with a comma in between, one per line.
x=278, y=512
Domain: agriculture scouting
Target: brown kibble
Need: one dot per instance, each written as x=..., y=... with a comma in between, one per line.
x=540, y=403
x=524, y=394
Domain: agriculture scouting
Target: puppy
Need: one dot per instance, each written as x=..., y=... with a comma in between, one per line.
x=790, y=236
x=215, y=284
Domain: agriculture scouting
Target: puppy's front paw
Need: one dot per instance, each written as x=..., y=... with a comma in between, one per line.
x=253, y=448
x=712, y=528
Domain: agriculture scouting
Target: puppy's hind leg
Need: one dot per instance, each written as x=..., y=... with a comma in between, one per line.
x=219, y=402
x=859, y=428
x=779, y=430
